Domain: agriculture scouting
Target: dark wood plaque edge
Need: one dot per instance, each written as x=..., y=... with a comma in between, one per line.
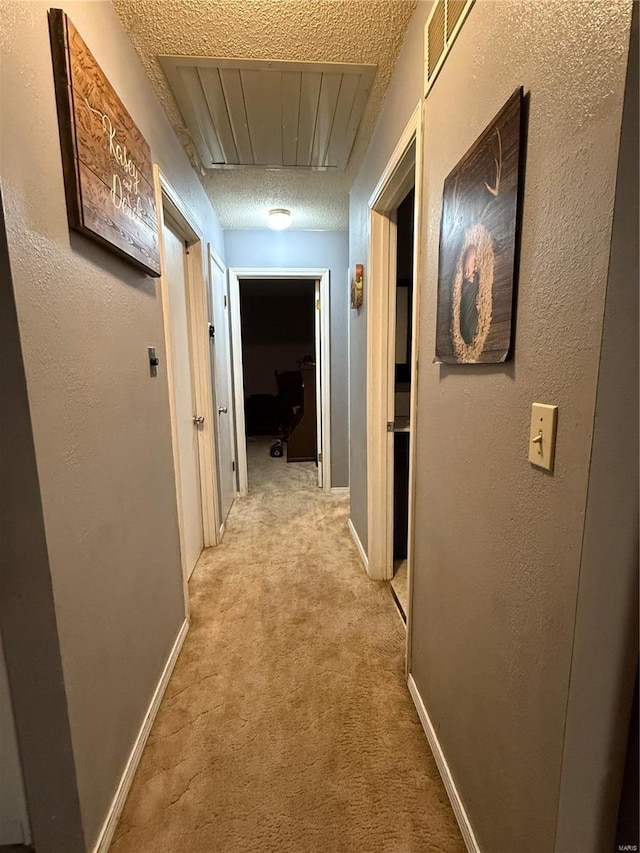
x=58, y=35
x=64, y=105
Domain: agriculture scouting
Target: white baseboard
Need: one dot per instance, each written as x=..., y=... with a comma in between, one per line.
x=340, y=491
x=456, y=803
x=115, y=810
x=356, y=539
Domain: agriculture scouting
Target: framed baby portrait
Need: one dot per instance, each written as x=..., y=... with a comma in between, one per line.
x=478, y=239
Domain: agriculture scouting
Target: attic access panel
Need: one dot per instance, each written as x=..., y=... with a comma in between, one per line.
x=270, y=113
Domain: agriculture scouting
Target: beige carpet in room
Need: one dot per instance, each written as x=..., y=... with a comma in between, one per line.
x=287, y=726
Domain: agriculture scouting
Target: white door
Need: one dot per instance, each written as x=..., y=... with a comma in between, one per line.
x=223, y=386
x=188, y=485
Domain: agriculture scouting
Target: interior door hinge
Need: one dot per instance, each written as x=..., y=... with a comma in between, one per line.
x=317, y=304
x=391, y=426
x=212, y=331
x=320, y=456
x=233, y=465
x=225, y=301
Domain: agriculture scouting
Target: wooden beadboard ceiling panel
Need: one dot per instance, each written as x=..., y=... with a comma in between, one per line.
x=270, y=114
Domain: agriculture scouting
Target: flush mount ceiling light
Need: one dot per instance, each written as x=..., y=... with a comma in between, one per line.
x=279, y=218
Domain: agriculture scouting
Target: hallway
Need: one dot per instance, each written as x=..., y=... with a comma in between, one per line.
x=287, y=725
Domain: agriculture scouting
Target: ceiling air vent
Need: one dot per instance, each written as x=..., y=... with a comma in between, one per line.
x=270, y=114
x=442, y=27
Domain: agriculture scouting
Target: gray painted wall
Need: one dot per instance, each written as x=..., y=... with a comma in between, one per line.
x=323, y=249
x=499, y=544
x=605, y=652
x=14, y=820
x=101, y=428
x=27, y=615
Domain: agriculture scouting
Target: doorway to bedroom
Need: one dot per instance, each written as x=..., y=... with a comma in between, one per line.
x=280, y=371
x=279, y=365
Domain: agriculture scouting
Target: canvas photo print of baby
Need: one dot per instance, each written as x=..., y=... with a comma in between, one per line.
x=478, y=238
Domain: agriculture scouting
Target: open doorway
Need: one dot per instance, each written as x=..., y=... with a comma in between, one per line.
x=392, y=364
x=277, y=319
x=405, y=220
x=280, y=337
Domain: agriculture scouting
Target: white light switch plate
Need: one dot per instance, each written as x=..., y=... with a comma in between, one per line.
x=542, y=436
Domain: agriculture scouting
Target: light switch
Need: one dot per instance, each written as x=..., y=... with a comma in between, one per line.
x=542, y=437
x=154, y=361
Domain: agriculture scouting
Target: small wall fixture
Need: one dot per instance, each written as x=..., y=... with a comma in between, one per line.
x=279, y=218
x=357, y=287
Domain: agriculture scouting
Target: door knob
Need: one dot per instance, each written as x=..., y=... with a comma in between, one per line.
x=198, y=420
x=222, y=410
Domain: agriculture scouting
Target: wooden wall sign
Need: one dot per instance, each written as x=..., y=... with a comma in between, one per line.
x=108, y=172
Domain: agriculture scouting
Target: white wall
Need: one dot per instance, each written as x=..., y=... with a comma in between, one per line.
x=322, y=249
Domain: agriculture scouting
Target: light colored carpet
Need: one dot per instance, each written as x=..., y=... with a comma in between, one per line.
x=287, y=726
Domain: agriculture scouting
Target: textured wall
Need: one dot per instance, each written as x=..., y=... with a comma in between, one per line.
x=100, y=424
x=498, y=542
x=403, y=95
x=605, y=652
x=27, y=614
x=322, y=249
x=13, y=806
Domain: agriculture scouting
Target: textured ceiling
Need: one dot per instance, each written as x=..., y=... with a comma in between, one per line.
x=357, y=31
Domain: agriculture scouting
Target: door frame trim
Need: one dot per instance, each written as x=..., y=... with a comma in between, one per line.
x=195, y=279
x=323, y=356
x=403, y=170
x=215, y=259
